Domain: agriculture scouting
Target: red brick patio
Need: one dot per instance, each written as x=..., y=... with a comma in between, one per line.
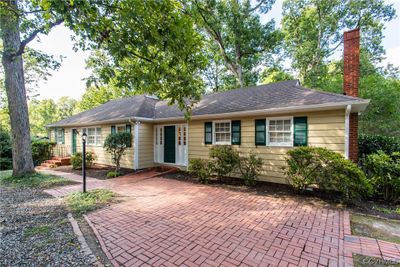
x=171, y=223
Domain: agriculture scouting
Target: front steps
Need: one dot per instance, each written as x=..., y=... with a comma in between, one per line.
x=56, y=161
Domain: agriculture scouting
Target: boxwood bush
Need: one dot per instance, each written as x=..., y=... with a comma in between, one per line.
x=200, y=168
x=76, y=160
x=384, y=172
x=225, y=160
x=326, y=169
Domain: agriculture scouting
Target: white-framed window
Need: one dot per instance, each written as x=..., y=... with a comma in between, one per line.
x=93, y=136
x=280, y=131
x=59, y=137
x=120, y=128
x=222, y=132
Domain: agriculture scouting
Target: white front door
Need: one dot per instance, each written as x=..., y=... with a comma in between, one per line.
x=181, y=144
x=159, y=144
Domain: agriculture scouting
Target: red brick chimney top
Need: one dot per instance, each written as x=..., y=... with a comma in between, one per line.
x=351, y=62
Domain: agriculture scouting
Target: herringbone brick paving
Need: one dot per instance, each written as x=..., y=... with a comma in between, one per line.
x=173, y=223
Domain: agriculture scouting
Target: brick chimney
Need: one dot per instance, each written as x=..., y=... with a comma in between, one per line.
x=351, y=77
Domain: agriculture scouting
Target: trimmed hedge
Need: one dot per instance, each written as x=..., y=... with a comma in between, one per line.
x=329, y=170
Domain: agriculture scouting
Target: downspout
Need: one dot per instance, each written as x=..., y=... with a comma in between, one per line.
x=135, y=143
x=347, y=131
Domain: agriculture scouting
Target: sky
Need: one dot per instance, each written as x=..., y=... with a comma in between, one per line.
x=69, y=79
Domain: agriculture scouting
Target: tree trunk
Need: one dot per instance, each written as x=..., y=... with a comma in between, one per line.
x=16, y=93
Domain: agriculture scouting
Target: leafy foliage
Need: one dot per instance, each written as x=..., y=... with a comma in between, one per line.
x=236, y=38
x=43, y=112
x=113, y=174
x=225, y=160
x=77, y=158
x=313, y=31
x=250, y=167
x=201, y=168
x=384, y=171
x=41, y=150
x=5, y=150
x=116, y=144
x=327, y=169
x=369, y=144
x=80, y=203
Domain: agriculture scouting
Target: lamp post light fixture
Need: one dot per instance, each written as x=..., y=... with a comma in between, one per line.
x=84, y=135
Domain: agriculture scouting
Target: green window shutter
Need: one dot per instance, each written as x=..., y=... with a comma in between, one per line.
x=113, y=129
x=208, y=132
x=128, y=130
x=55, y=135
x=260, y=132
x=300, y=131
x=235, y=133
x=63, y=136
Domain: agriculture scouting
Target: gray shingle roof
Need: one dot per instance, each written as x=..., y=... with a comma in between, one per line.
x=269, y=96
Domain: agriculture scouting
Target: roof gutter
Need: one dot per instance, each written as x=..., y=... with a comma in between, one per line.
x=356, y=106
x=122, y=120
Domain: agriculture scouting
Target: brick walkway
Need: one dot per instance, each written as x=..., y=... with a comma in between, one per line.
x=173, y=223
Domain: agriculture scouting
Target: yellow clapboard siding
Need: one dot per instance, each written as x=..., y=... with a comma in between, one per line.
x=326, y=129
x=102, y=156
x=146, y=148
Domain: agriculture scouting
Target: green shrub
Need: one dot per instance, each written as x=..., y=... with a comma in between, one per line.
x=201, y=168
x=225, y=160
x=384, y=172
x=5, y=150
x=250, y=167
x=41, y=150
x=113, y=174
x=370, y=144
x=327, y=169
x=76, y=160
x=116, y=144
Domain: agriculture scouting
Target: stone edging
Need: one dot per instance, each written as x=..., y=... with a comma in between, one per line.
x=101, y=241
x=81, y=238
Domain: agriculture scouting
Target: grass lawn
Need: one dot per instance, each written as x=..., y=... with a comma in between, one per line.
x=380, y=228
x=80, y=203
x=35, y=180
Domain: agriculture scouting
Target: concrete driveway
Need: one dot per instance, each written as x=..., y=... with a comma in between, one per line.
x=166, y=222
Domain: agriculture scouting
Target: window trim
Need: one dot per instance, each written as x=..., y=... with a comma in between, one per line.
x=95, y=135
x=280, y=144
x=59, y=137
x=214, y=132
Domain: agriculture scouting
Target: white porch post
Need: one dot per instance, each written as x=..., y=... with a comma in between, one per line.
x=136, y=145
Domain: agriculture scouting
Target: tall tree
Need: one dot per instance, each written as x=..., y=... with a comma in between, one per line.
x=160, y=52
x=43, y=112
x=240, y=40
x=380, y=84
x=313, y=31
x=14, y=22
x=37, y=68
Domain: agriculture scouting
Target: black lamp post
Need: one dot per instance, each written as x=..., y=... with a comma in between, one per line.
x=84, y=161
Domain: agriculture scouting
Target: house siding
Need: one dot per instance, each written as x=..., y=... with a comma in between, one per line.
x=102, y=156
x=146, y=147
x=325, y=129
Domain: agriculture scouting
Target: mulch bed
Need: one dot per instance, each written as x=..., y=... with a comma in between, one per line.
x=96, y=171
x=35, y=231
x=281, y=190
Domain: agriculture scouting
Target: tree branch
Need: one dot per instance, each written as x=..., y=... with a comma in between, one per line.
x=33, y=35
x=256, y=7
